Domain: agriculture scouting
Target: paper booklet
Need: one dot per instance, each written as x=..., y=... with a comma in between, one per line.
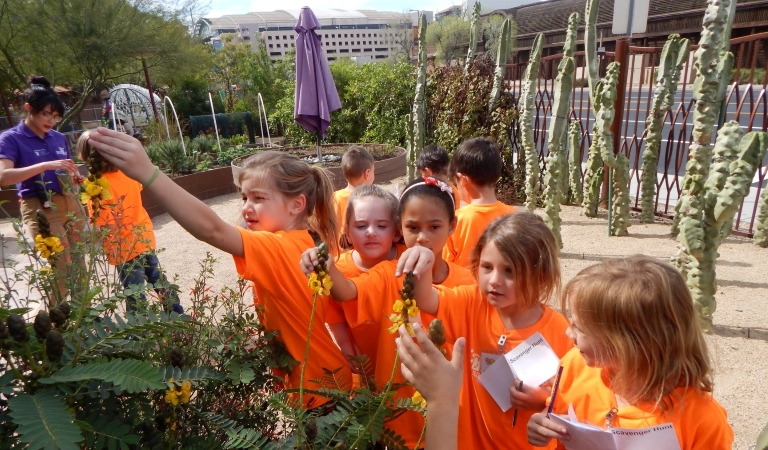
x=589, y=437
x=533, y=362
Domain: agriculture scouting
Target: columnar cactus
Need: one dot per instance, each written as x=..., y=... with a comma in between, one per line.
x=708, y=218
x=526, y=106
x=556, y=166
x=761, y=223
x=590, y=46
x=501, y=64
x=419, y=101
x=574, y=166
x=474, y=30
x=673, y=57
x=593, y=178
x=713, y=67
x=410, y=148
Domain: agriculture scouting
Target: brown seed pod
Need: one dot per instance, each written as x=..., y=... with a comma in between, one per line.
x=42, y=324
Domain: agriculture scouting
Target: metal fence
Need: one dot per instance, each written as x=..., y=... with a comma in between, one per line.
x=746, y=103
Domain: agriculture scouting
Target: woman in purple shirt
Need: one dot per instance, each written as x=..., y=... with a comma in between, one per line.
x=30, y=155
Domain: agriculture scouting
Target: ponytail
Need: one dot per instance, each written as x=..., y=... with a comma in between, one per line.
x=324, y=219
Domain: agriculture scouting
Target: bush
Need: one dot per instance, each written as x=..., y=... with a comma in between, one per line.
x=170, y=157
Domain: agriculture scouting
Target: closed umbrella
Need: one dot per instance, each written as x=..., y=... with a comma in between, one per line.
x=316, y=95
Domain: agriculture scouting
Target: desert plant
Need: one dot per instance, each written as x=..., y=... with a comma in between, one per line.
x=170, y=157
x=575, y=194
x=672, y=59
x=761, y=222
x=526, y=108
x=501, y=64
x=556, y=165
x=473, y=32
x=591, y=10
x=419, y=102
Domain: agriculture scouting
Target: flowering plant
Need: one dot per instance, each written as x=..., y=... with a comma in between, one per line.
x=95, y=189
x=405, y=309
x=48, y=247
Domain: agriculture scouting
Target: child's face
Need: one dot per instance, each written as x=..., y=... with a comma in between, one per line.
x=426, y=224
x=264, y=208
x=371, y=228
x=583, y=343
x=494, y=276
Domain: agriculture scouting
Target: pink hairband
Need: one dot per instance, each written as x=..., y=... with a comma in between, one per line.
x=432, y=181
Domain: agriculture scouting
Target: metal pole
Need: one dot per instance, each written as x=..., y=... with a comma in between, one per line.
x=149, y=88
x=215, y=125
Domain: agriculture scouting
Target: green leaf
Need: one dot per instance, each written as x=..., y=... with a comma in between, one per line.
x=246, y=439
x=239, y=373
x=44, y=422
x=195, y=375
x=129, y=375
x=105, y=434
x=762, y=439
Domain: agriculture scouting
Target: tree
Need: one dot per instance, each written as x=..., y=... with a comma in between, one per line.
x=450, y=36
x=491, y=31
x=229, y=66
x=402, y=36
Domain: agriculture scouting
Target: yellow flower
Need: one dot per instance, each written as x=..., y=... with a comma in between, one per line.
x=49, y=246
x=413, y=311
x=172, y=397
x=178, y=394
x=418, y=400
x=39, y=239
x=54, y=244
x=398, y=306
x=98, y=190
x=327, y=284
x=186, y=391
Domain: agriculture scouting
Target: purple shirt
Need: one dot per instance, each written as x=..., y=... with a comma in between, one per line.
x=22, y=146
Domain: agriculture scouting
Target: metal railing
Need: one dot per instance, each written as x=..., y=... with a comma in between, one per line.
x=746, y=102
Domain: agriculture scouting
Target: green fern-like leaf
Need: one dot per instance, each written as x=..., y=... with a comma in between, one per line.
x=196, y=375
x=129, y=375
x=102, y=433
x=44, y=422
x=247, y=439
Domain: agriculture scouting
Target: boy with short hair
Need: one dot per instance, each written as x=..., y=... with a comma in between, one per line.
x=475, y=168
x=357, y=167
x=433, y=162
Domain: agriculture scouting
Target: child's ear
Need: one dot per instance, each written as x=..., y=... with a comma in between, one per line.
x=452, y=226
x=297, y=204
x=427, y=172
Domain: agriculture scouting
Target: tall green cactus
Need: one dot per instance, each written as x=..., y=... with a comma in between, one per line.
x=590, y=47
x=574, y=165
x=761, y=223
x=501, y=65
x=593, y=178
x=526, y=106
x=708, y=218
x=410, y=148
x=474, y=30
x=556, y=166
x=673, y=57
x=419, y=102
x=713, y=68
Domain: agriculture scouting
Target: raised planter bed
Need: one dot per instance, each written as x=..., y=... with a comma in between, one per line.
x=386, y=169
x=203, y=185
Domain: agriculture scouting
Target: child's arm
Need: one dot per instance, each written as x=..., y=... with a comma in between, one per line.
x=343, y=290
x=541, y=430
x=128, y=155
x=419, y=260
x=438, y=380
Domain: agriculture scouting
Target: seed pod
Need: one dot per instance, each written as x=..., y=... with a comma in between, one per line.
x=437, y=333
x=66, y=309
x=310, y=429
x=54, y=345
x=58, y=317
x=42, y=324
x=177, y=359
x=18, y=328
x=4, y=334
x=42, y=223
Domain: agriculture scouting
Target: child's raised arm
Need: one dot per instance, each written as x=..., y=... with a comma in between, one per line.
x=128, y=155
x=343, y=290
x=419, y=260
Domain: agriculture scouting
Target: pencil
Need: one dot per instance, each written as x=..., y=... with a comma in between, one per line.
x=554, y=391
x=514, y=416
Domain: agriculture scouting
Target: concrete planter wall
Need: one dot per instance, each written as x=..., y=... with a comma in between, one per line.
x=386, y=170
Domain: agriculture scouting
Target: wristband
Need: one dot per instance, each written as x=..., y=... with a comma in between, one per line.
x=154, y=175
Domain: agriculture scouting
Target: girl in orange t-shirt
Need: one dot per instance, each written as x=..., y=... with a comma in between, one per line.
x=284, y=198
x=517, y=269
x=427, y=217
x=370, y=237
x=640, y=359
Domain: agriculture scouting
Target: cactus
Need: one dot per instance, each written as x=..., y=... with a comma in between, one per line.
x=473, y=32
x=501, y=64
x=574, y=166
x=761, y=224
x=556, y=167
x=708, y=218
x=410, y=148
x=593, y=178
x=590, y=48
x=417, y=121
x=713, y=68
x=673, y=56
x=526, y=105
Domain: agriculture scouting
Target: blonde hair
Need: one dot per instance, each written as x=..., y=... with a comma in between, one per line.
x=84, y=151
x=640, y=314
x=531, y=250
x=293, y=177
x=361, y=192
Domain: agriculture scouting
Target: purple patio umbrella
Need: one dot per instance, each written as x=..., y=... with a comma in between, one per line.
x=316, y=95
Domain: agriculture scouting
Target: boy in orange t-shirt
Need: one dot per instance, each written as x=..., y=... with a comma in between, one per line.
x=475, y=167
x=433, y=162
x=357, y=165
x=129, y=237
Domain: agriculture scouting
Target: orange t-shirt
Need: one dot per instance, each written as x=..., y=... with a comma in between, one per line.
x=465, y=312
x=129, y=228
x=341, y=197
x=699, y=421
x=471, y=222
x=377, y=291
x=271, y=262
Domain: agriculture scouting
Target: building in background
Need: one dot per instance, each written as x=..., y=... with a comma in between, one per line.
x=486, y=6
x=368, y=34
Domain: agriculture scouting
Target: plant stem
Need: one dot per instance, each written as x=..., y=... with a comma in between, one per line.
x=423, y=432
x=304, y=364
x=385, y=394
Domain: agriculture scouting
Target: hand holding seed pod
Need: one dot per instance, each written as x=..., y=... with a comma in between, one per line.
x=404, y=309
x=320, y=280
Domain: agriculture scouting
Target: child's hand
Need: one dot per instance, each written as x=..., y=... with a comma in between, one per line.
x=125, y=152
x=417, y=259
x=533, y=398
x=541, y=430
x=309, y=260
x=436, y=378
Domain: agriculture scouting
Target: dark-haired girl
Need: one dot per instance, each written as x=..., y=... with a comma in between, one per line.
x=30, y=154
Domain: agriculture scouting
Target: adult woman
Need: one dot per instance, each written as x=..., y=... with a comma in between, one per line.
x=31, y=154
